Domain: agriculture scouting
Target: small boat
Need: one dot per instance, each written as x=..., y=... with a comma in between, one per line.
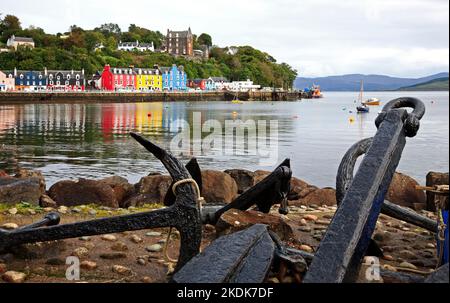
x=372, y=101
x=316, y=93
x=363, y=108
x=237, y=101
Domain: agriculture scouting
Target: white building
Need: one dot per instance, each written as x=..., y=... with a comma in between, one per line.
x=131, y=46
x=15, y=42
x=242, y=86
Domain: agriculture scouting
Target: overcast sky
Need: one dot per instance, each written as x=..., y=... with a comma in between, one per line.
x=407, y=38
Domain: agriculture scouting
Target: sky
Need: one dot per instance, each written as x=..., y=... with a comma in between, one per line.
x=405, y=38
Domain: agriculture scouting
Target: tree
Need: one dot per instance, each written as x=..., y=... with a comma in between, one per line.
x=205, y=39
x=109, y=29
x=10, y=25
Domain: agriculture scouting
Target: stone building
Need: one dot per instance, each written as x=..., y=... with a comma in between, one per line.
x=180, y=43
x=15, y=42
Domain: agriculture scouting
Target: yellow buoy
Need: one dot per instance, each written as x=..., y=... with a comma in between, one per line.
x=351, y=119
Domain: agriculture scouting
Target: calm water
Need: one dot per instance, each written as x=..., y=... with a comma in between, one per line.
x=91, y=140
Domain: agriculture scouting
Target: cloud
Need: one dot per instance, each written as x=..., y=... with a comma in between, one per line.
x=317, y=37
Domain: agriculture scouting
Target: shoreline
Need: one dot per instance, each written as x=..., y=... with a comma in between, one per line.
x=10, y=98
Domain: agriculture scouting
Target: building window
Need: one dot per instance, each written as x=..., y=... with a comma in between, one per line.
x=67, y=82
x=51, y=82
x=40, y=76
x=78, y=83
x=21, y=76
x=78, y=77
x=58, y=83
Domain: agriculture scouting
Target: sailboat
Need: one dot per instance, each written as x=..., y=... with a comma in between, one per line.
x=236, y=99
x=363, y=108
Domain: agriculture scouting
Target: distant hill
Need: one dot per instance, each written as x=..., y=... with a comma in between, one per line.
x=352, y=82
x=440, y=84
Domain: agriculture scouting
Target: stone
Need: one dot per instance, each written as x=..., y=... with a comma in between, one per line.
x=153, y=234
x=303, y=222
x=46, y=201
x=407, y=265
x=321, y=196
x=63, y=210
x=150, y=189
x=26, y=174
x=323, y=222
x=121, y=270
x=88, y=265
x=430, y=245
x=218, y=187
x=310, y=217
x=82, y=192
x=119, y=246
x=306, y=248
x=297, y=189
x=304, y=228
x=121, y=187
x=432, y=179
x=259, y=175
x=389, y=267
x=15, y=190
x=146, y=279
x=9, y=226
x=136, y=239
x=85, y=238
x=80, y=252
x=12, y=211
x=141, y=261
x=407, y=254
x=209, y=228
x=110, y=238
x=14, y=277
x=154, y=248
x=2, y=268
x=92, y=212
x=403, y=192
x=244, y=178
x=227, y=222
x=388, y=257
x=113, y=255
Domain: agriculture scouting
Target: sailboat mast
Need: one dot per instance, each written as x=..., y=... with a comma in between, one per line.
x=361, y=92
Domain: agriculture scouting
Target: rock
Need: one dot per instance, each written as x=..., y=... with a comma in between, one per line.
x=259, y=175
x=432, y=179
x=154, y=248
x=303, y=222
x=4, y=174
x=46, y=201
x=323, y=222
x=406, y=254
x=88, y=265
x=209, y=228
x=119, y=246
x=14, y=190
x=85, y=238
x=430, y=245
x=113, y=255
x=12, y=211
x=304, y=228
x=92, y=212
x=403, y=192
x=121, y=187
x=121, y=270
x=153, y=234
x=297, y=189
x=136, y=239
x=80, y=252
x=244, y=178
x=234, y=220
x=82, y=192
x=63, y=210
x=9, y=226
x=321, y=196
x=141, y=261
x=109, y=238
x=146, y=279
x=150, y=189
x=218, y=187
x=26, y=174
x=306, y=248
x=388, y=257
x=310, y=217
x=389, y=267
x=14, y=277
x=407, y=265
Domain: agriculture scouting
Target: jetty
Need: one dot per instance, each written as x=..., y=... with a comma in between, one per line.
x=125, y=97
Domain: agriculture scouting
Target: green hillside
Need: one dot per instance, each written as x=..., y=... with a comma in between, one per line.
x=440, y=84
x=77, y=49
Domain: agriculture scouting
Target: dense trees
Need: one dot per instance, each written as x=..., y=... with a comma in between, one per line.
x=79, y=48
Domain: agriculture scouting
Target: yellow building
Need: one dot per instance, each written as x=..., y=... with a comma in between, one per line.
x=148, y=79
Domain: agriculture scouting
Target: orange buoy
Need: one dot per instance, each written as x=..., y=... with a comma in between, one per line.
x=149, y=114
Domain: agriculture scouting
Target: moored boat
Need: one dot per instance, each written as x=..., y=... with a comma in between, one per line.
x=372, y=101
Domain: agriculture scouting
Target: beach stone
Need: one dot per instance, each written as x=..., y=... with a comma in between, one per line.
x=150, y=189
x=88, y=265
x=408, y=265
x=244, y=178
x=321, y=196
x=110, y=238
x=141, y=261
x=303, y=222
x=154, y=248
x=310, y=217
x=82, y=192
x=430, y=245
x=407, y=254
x=218, y=187
x=119, y=246
x=146, y=279
x=15, y=190
x=12, y=211
x=305, y=228
x=2, y=268
x=63, y=210
x=136, y=239
x=14, y=277
x=323, y=222
x=432, y=179
x=306, y=248
x=26, y=174
x=389, y=267
x=234, y=220
x=113, y=255
x=403, y=192
x=388, y=258
x=9, y=226
x=80, y=252
x=298, y=187
x=121, y=270
x=121, y=187
x=85, y=238
x=153, y=234
x=260, y=175
x=46, y=201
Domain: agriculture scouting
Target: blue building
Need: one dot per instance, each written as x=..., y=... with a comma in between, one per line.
x=173, y=78
x=29, y=80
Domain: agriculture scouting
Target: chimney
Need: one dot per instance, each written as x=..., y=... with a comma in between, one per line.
x=82, y=71
x=45, y=71
x=72, y=71
x=15, y=71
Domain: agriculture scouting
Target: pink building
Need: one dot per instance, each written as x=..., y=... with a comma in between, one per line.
x=6, y=83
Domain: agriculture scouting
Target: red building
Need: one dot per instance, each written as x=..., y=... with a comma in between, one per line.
x=197, y=83
x=118, y=79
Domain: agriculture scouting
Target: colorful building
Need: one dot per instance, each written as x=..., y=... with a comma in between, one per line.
x=28, y=80
x=180, y=43
x=174, y=78
x=63, y=80
x=148, y=79
x=6, y=82
x=118, y=79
